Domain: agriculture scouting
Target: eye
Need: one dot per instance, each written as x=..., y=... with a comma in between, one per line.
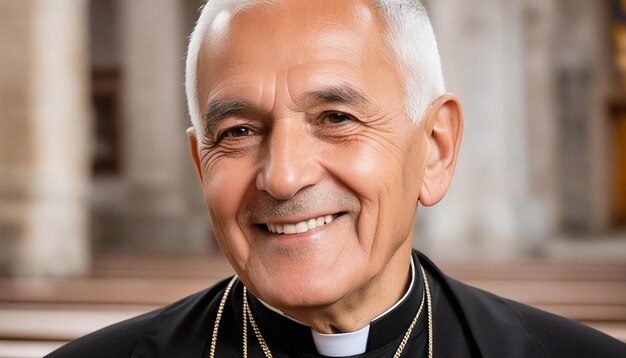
x=338, y=117
x=235, y=132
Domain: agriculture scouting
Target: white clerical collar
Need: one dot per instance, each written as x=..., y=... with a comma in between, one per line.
x=351, y=343
x=341, y=344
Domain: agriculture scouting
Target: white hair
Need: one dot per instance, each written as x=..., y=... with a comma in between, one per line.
x=410, y=37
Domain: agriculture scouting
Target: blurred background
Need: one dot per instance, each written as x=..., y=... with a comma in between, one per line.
x=101, y=216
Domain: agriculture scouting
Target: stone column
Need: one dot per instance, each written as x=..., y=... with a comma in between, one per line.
x=542, y=115
x=44, y=137
x=583, y=57
x=157, y=167
x=17, y=147
x=489, y=207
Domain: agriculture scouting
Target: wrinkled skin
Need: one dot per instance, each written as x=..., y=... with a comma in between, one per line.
x=306, y=119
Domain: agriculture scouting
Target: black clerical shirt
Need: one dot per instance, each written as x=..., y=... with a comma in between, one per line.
x=467, y=322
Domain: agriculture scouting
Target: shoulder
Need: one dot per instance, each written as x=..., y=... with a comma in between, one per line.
x=138, y=336
x=562, y=337
x=118, y=340
x=502, y=324
x=502, y=327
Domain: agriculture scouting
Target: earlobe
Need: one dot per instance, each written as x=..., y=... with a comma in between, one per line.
x=445, y=128
x=193, y=150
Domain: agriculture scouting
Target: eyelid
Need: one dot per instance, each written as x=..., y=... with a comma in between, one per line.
x=254, y=127
x=221, y=134
x=349, y=116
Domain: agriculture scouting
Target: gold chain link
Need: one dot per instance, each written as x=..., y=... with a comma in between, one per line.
x=218, y=318
x=255, y=328
x=407, y=334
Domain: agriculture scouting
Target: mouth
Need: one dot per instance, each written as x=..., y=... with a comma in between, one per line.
x=299, y=227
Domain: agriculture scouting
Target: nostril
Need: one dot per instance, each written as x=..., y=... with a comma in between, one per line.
x=283, y=173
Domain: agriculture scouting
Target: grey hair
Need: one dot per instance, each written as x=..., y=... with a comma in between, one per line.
x=410, y=37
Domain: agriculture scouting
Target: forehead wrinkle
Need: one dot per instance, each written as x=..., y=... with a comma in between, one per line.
x=215, y=79
x=332, y=81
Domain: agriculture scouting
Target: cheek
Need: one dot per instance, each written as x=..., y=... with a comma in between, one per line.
x=376, y=178
x=415, y=165
x=374, y=170
x=224, y=195
x=386, y=177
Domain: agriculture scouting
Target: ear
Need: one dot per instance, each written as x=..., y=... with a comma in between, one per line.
x=443, y=123
x=192, y=137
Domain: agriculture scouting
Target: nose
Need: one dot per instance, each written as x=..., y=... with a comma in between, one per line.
x=290, y=163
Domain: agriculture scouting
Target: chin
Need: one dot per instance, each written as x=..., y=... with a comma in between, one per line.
x=300, y=291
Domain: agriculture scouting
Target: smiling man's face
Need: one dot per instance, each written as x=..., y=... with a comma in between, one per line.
x=310, y=167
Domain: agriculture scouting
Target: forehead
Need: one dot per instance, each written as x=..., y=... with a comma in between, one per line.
x=304, y=41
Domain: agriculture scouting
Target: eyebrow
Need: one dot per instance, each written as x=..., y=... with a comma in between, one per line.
x=344, y=94
x=218, y=110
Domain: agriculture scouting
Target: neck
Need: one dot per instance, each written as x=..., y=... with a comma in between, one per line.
x=357, y=309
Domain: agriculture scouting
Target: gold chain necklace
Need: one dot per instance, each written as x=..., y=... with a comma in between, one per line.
x=247, y=316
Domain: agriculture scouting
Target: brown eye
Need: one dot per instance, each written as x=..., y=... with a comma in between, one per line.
x=336, y=118
x=235, y=133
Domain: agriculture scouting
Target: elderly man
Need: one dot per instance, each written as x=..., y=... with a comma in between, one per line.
x=318, y=127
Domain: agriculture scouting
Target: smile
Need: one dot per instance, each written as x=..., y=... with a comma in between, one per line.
x=300, y=227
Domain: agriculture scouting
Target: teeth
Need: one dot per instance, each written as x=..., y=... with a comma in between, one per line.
x=289, y=228
x=300, y=227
